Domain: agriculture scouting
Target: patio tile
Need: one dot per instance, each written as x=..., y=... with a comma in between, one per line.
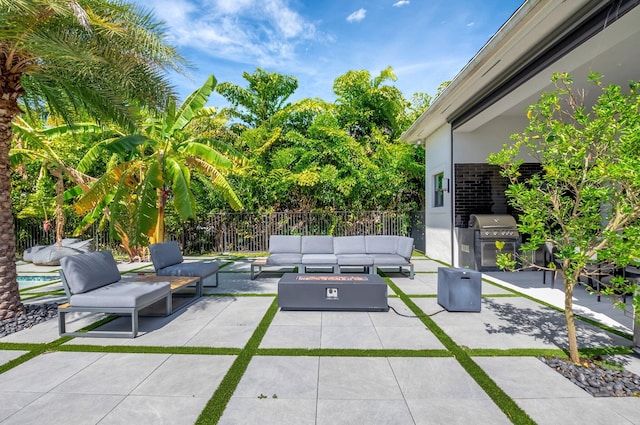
x=169, y=410
x=297, y=318
x=423, y=264
x=370, y=412
x=392, y=319
x=547, y=411
x=284, y=377
x=359, y=337
x=421, y=284
x=12, y=402
x=43, y=373
x=457, y=411
x=528, y=377
x=186, y=375
x=221, y=336
x=239, y=283
x=254, y=411
x=345, y=318
x=290, y=336
x=513, y=323
x=429, y=378
x=114, y=373
x=60, y=408
x=408, y=338
x=8, y=355
x=361, y=378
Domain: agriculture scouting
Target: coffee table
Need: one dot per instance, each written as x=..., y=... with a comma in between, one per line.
x=332, y=292
x=178, y=285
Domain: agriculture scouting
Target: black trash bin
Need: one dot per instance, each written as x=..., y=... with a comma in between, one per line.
x=459, y=289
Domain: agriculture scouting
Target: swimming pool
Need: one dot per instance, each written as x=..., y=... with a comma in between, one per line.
x=26, y=281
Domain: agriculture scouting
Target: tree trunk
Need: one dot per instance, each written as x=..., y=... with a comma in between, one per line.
x=569, y=283
x=159, y=233
x=10, y=304
x=59, y=203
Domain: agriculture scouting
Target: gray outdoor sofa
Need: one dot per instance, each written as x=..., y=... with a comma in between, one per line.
x=93, y=284
x=167, y=261
x=335, y=252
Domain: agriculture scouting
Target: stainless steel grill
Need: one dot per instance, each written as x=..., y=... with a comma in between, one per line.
x=487, y=229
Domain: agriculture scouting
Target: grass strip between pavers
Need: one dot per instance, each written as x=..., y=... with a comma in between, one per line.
x=212, y=412
x=499, y=397
x=351, y=352
x=153, y=349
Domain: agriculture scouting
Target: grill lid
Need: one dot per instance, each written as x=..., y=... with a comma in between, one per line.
x=492, y=221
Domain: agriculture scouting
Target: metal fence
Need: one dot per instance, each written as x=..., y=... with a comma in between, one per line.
x=244, y=231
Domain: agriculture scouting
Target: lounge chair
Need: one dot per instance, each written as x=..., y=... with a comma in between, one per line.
x=93, y=284
x=168, y=261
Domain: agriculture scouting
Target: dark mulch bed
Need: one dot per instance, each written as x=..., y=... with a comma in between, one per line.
x=33, y=314
x=596, y=379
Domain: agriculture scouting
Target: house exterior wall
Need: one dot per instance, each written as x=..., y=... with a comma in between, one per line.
x=470, y=152
x=438, y=219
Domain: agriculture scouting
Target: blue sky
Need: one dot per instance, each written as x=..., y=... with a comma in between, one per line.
x=425, y=41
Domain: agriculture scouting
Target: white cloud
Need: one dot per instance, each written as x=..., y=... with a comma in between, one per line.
x=401, y=3
x=357, y=16
x=265, y=32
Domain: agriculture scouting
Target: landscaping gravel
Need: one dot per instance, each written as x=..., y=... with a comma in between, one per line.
x=597, y=380
x=33, y=314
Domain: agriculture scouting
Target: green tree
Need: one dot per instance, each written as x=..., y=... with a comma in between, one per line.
x=157, y=169
x=365, y=103
x=586, y=200
x=266, y=94
x=94, y=55
x=36, y=144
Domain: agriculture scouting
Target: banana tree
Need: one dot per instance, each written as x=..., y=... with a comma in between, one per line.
x=153, y=167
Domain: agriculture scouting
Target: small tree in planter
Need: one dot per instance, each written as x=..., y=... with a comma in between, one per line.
x=586, y=200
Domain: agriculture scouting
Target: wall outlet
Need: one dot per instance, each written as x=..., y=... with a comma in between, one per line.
x=332, y=293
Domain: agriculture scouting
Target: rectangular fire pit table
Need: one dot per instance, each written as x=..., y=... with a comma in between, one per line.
x=332, y=292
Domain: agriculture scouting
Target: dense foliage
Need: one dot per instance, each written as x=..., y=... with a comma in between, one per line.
x=295, y=156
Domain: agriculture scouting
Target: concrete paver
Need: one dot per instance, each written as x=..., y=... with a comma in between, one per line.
x=119, y=388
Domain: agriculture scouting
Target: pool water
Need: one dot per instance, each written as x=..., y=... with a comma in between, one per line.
x=28, y=281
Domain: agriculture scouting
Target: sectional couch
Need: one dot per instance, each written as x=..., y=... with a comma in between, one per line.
x=335, y=252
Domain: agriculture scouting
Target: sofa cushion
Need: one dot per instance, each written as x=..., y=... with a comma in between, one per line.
x=192, y=269
x=319, y=259
x=87, y=272
x=165, y=254
x=389, y=260
x=348, y=245
x=284, y=259
x=405, y=247
x=381, y=244
x=122, y=294
x=284, y=244
x=317, y=245
x=355, y=260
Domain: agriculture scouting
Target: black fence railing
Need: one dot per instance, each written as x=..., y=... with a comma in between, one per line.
x=246, y=232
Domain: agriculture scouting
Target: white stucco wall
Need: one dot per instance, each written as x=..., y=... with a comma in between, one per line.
x=476, y=146
x=438, y=219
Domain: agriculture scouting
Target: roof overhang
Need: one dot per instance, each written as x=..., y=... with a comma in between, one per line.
x=539, y=33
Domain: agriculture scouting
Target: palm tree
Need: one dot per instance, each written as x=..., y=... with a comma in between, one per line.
x=157, y=168
x=100, y=56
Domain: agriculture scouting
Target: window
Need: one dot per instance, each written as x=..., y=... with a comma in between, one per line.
x=438, y=190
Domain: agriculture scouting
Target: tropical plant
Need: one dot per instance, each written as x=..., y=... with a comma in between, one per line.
x=156, y=169
x=365, y=103
x=265, y=95
x=100, y=56
x=586, y=200
x=33, y=144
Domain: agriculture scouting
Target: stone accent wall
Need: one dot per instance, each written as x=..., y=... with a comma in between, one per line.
x=480, y=189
